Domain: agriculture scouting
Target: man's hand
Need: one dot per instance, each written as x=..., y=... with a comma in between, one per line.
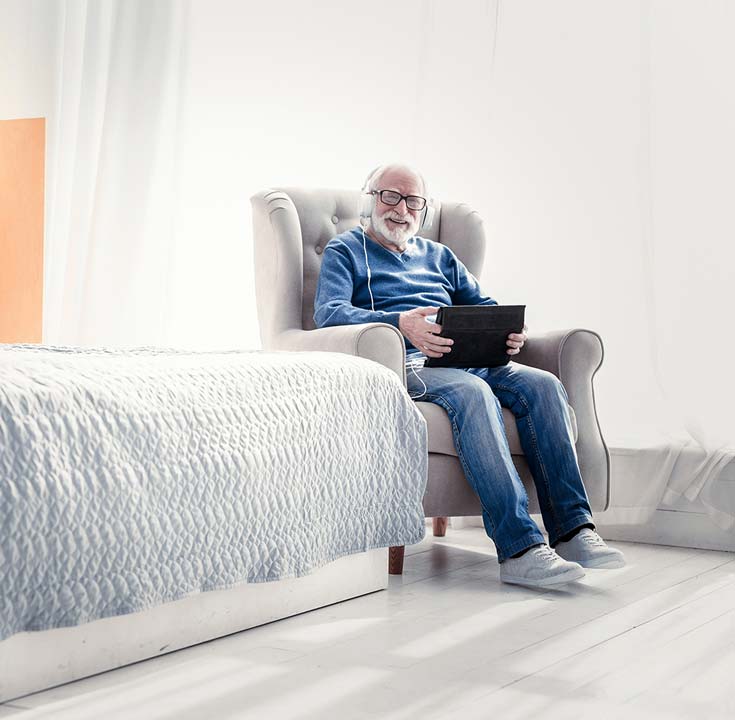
x=516, y=341
x=422, y=334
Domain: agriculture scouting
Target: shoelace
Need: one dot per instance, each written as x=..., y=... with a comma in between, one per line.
x=592, y=538
x=544, y=552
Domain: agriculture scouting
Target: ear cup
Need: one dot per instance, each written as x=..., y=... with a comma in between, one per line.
x=366, y=205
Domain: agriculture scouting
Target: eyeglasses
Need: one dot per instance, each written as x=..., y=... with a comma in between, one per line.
x=391, y=197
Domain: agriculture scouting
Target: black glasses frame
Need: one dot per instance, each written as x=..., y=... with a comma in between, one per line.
x=381, y=194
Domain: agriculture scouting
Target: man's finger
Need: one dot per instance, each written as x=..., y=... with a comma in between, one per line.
x=436, y=347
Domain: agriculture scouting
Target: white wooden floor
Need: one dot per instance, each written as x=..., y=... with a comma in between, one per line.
x=653, y=640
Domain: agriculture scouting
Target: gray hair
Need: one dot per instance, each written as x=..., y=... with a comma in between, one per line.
x=376, y=175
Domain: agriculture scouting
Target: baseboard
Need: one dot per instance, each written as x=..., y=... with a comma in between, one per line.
x=670, y=527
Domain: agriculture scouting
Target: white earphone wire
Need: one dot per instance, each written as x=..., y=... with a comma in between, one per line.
x=414, y=365
x=367, y=263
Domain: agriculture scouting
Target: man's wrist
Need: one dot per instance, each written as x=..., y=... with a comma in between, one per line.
x=392, y=318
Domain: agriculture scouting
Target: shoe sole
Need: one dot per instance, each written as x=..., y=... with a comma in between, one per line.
x=561, y=579
x=602, y=563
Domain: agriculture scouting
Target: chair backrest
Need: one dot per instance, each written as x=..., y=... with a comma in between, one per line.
x=293, y=225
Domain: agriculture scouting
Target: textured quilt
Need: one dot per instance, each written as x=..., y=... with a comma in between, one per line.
x=131, y=478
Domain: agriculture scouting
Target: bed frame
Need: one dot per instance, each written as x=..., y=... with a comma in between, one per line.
x=30, y=662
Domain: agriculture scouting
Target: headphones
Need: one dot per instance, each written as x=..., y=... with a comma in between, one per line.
x=367, y=203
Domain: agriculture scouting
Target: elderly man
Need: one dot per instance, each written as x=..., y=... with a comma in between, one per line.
x=383, y=272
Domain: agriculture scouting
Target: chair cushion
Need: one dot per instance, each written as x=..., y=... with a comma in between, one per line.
x=441, y=439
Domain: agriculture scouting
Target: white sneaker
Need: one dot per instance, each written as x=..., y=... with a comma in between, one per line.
x=539, y=567
x=589, y=550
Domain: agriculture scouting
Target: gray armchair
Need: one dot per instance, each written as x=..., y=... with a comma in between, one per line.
x=292, y=226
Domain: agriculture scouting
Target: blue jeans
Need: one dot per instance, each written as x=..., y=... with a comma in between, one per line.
x=473, y=399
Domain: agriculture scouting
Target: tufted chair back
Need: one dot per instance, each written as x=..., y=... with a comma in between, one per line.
x=292, y=228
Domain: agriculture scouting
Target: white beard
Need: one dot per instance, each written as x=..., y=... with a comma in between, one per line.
x=396, y=235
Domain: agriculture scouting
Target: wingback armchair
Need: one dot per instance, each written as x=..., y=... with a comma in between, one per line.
x=292, y=227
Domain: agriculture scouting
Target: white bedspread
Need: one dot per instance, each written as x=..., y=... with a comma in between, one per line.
x=131, y=478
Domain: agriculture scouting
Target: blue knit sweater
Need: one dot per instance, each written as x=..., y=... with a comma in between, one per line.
x=426, y=274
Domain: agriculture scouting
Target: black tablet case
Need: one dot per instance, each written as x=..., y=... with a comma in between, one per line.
x=479, y=332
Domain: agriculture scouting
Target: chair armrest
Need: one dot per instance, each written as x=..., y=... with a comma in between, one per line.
x=574, y=356
x=379, y=342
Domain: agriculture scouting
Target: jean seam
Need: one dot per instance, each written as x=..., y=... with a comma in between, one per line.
x=530, y=540
x=539, y=459
x=570, y=525
x=449, y=408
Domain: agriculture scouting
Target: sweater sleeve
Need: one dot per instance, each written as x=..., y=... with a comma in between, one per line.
x=334, y=292
x=467, y=290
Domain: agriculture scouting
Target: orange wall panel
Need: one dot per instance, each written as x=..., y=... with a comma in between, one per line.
x=22, y=150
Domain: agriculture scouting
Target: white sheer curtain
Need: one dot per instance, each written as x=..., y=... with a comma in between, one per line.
x=594, y=138
x=114, y=148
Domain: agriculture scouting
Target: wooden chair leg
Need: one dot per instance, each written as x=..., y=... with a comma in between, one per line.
x=440, y=526
x=395, y=559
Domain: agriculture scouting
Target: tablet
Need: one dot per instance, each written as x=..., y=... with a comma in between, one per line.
x=480, y=333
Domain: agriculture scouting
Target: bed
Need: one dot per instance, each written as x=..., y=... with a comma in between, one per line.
x=151, y=499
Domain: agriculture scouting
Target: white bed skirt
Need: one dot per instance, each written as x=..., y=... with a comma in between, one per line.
x=30, y=662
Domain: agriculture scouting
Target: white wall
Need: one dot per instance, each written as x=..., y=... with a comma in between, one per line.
x=288, y=94
x=28, y=35
x=692, y=157
x=28, y=70
x=595, y=142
